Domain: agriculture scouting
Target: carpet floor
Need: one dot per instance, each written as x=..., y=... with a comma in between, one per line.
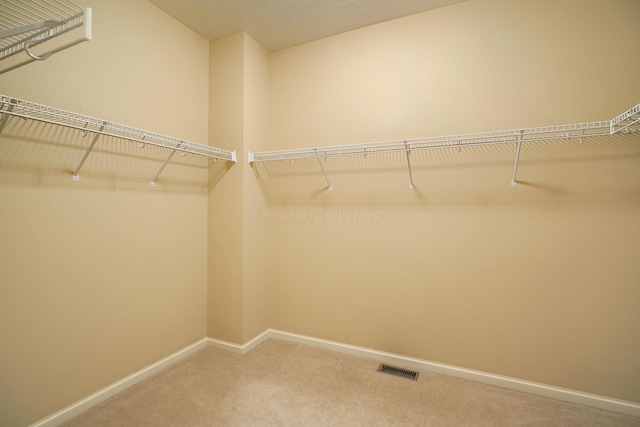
x=285, y=384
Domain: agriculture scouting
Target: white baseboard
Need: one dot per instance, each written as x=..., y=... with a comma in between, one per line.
x=572, y=396
x=558, y=393
x=236, y=348
x=99, y=396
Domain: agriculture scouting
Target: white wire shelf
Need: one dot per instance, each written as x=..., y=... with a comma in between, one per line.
x=625, y=122
x=25, y=24
x=14, y=107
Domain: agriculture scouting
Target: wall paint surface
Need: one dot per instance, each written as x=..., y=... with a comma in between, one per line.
x=101, y=277
x=538, y=282
x=225, y=226
x=257, y=243
x=238, y=245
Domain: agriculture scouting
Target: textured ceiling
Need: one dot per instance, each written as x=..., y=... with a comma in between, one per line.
x=277, y=24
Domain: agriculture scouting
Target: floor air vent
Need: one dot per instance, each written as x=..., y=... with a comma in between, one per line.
x=400, y=372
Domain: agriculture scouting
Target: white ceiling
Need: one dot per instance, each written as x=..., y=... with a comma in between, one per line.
x=277, y=24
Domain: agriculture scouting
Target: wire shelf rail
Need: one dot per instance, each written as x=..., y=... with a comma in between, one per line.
x=28, y=23
x=14, y=107
x=625, y=122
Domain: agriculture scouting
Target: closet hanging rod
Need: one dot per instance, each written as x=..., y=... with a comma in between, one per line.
x=10, y=106
x=579, y=131
x=28, y=23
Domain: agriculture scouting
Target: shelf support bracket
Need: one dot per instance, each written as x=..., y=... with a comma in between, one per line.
x=76, y=177
x=515, y=166
x=324, y=172
x=408, y=153
x=5, y=114
x=166, y=162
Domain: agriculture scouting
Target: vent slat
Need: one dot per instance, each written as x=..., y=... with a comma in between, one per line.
x=400, y=372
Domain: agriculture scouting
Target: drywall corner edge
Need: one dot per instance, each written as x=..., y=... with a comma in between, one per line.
x=558, y=393
x=103, y=394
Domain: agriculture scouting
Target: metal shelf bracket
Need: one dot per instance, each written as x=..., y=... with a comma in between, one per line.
x=27, y=110
x=408, y=153
x=76, y=177
x=6, y=113
x=166, y=162
x=627, y=122
x=515, y=166
x=324, y=172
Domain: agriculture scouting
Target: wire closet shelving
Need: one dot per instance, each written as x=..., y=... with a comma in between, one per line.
x=25, y=24
x=14, y=107
x=624, y=123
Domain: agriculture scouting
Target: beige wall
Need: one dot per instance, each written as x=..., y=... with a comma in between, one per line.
x=238, y=246
x=104, y=276
x=538, y=282
x=225, y=194
x=257, y=244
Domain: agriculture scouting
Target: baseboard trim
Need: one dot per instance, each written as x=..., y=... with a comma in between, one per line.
x=236, y=348
x=558, y=393
x=100, y=396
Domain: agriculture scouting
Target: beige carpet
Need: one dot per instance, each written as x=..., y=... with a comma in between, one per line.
x=285, y=384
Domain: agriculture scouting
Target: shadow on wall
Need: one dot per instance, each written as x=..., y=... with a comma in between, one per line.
x=602, y=171
x=217, y=171
x=40, y=154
